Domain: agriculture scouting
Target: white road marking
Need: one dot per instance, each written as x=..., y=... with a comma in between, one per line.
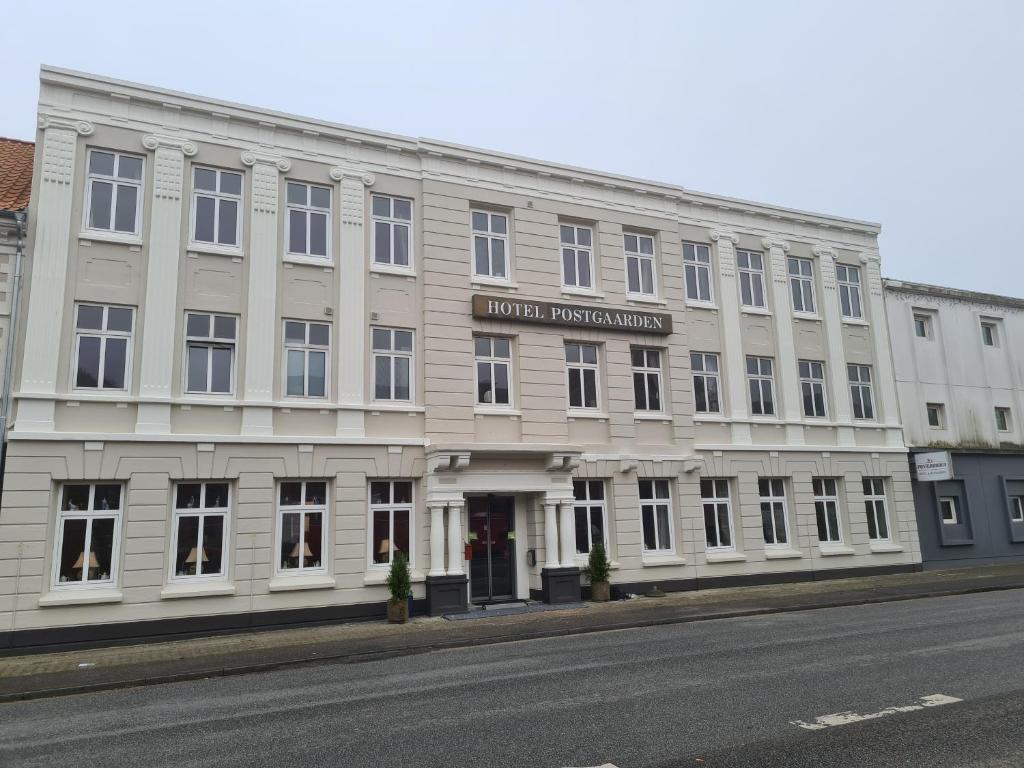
x=845, y=718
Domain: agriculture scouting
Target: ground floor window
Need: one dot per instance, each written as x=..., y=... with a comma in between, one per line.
x=302, y=526
x=826, y=510
x=874, y=507
x=390, y=516
x=200, y=529
x=656, y=514
x=949, y=511
x=714, y=494
x=773, y=510
x=88, y=535
x=1017, y=509
x=590, y=515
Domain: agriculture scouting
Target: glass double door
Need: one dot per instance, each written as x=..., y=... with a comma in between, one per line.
x=492, y=548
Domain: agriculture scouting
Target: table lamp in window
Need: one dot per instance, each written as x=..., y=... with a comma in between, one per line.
x=383, y=550
x=80, y=562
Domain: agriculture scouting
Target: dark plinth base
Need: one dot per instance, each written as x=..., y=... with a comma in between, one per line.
x=560, y=585
x=447, y=594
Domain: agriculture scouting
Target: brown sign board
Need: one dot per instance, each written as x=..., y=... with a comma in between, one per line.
x=570, y=315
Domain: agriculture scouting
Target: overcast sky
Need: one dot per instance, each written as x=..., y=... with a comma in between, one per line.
x=910, y=114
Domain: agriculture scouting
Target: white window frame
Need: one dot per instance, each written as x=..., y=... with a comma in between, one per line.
x=1017, y=509
x=640, y=259
x=749, y=276
x=583, y=368
x=803, y=283
x=302, y=509
x=647, y=374
x=103, y=335
x=989, y=333
x=202, y=512
x=720, y=497
x=763, y=382
x=390, y=507
x=392, y=354
x=954, y=506
x=308, y=209
x=210, y=342
x=217, y=196
x=861, y=391
x=697, y=261
x=924, y=322
x=589, y=506
x=392, y=222
x=305, y=347
x=90, y=515
x=826, y=493
x=490, y=235
x=115, y=181
x=876, y=507
x=492, y=361
x=701, y=377
x=775, y=498
x=851, y=298
x=655, y=501
x=1003, y=412
x=813, y=384
x=579, y=252
x=940, y=415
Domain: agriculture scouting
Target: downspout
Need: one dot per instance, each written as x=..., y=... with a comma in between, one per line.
x=19, y=219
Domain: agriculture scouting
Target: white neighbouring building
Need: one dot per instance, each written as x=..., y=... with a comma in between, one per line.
x=261, y=354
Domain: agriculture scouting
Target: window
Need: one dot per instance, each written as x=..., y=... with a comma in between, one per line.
x=922, y=326
x=490, y=245
x=714, y=494
x=860, y=391
x=103, y=346
x=705, y=382
x=88, y=535
x=114, y=192
x=577, y=256
x=697, y=267
x=1003, y=419
x=392, y=231
x=774, y=522
x=392, y=364
x=655, y=512
x=581, y=361
x=812, y=388
x=390, y=518
x=949, y=510
x=1017, y=509
x=590, y=515
x=216, y=201
x=306, y=349
x=751, y=272
x=640, y=274
x=988, y=334
x=801, y=284
x=309, y=220
x=200, y=529
x=826, y=510
x=936, y=415
x=210, y=353
x=647, y=379
x=849, y=292
x=493, y=370
x=762, y=386
x=302, y=526
x=874, y=507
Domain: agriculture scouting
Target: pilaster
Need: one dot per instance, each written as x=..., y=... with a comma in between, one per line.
x=885, y=376
x=836, y=365
x=786, y=377
x=735, y=366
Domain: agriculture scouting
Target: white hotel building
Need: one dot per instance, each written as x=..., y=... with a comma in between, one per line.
x=259, y=354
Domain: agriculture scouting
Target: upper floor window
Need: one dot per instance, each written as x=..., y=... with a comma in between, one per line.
x=103, y=346
x=1003, y=419
x=493, y=370
x=812, y=388
x=751, y=272
x=705, y=382
x=88, y=535
x=216, y=202
x=774, y=522
x=874, y=507
x=581, y=362
x=922, y=326
x=989, y=334
x=591, y=526
x=392, y=231
x=801, y=284
x=490, y=244
x=392, y=364
x=656, y=515
x=936, y=413
x=200, y=529
x=860, y=391
x=714, y=494
x=210, y=353
x=302, y=526
x=850, y=304
x=762, y=386
x=306, y=350
x=309, y=220
x=826, y=510
x=640, y=273
x=697, y=266
x=114, y=193
x=390, y=520
x=577, y=256
x=647, y=379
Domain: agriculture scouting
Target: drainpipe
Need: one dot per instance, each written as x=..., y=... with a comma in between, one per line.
x=19, y=218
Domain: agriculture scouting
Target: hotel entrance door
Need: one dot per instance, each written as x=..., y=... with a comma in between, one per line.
x=492, y=547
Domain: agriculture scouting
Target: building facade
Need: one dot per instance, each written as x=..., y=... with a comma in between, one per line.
x=263, y=354
x=961, y=387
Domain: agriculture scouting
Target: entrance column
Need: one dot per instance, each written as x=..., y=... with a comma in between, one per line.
x=560, y=578
x=447, y=592
x=436, y=539
x=551, y=534
x=567, y=535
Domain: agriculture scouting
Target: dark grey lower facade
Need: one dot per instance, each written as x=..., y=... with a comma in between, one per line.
x=977, y=517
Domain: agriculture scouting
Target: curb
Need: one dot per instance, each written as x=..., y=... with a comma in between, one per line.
x=412, y=650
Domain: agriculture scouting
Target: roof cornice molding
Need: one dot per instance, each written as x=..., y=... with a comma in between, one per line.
x=952, y=294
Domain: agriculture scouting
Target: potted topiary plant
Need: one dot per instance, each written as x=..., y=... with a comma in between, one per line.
x=597, y=571
x=401, y=590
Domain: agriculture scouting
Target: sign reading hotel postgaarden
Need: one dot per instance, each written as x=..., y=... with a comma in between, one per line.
x=573, y=316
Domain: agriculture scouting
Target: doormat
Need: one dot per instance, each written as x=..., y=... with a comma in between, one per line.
x=515, y=610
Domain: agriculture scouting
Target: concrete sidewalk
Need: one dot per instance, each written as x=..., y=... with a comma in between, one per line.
x=80, y=671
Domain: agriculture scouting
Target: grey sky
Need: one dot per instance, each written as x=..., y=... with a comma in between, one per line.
x=905, y=113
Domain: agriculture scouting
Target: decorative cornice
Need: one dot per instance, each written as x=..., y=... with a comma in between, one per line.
x=251, y=158
x=719, y=234
x=83, y=127
x=340, y=172
x=155, y=141
x=775, y=242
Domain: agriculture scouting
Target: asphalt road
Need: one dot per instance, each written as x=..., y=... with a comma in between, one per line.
x=737, y=692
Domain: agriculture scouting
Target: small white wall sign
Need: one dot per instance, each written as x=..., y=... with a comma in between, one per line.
x=934, y=465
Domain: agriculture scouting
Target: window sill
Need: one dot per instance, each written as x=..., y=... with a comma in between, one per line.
x=482, y=411
x=201, y=589
x=582, y=292
x=83, y=596
x=885, y=546
x=782, y=554
x=702, y=305
x=835, y=551
x=634, y=298
x=314, y=261
x=214, y=249
x=656, y=561
x=596, y=415
x=641, y=416
x=395, y=408
x=387, y=269
x=110, y=237
x=296, y=583
x=855, y=321
x=478, y=281
x=725, y=557
x=812, y=316
x=756, y=311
